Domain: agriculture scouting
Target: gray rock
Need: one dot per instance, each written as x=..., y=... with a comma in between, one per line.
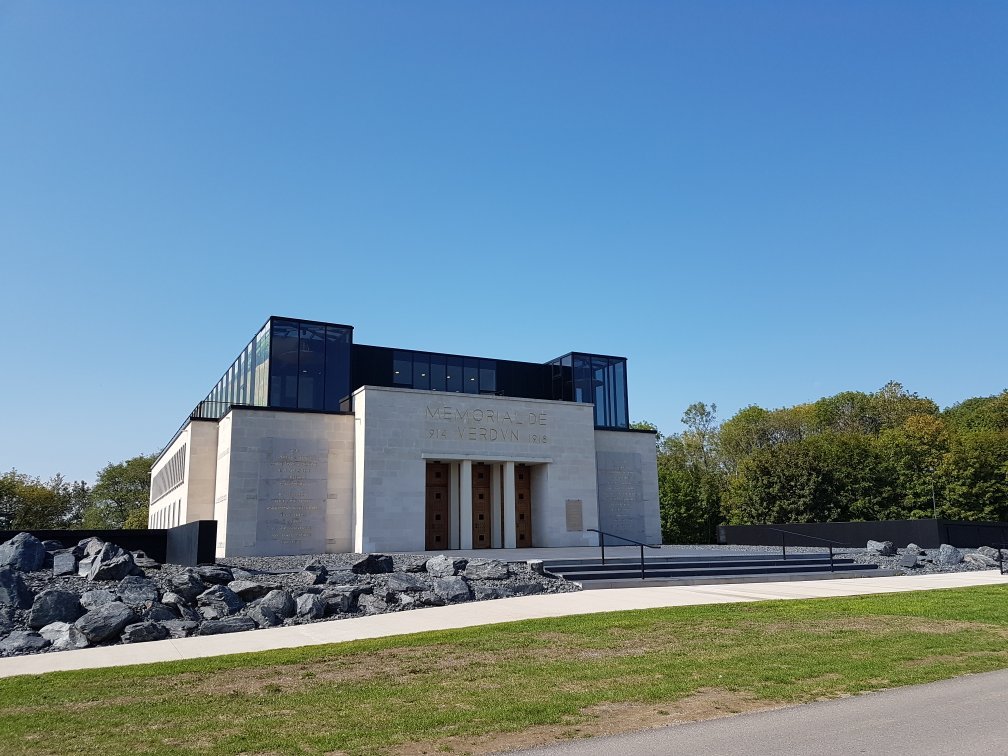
x=280, y=602
x=524, y=589
x=23, y=642
x=51, y=544
x=909, y=559
x=84, y=565
x=141, y=560
x=980, y=560
x=338, y=602
x=239, y=574
x=91, y=546
x=406, y=582
x=227, y=625
x=91, y=600
x=536, y=566
x=64, y=563
x=340, y=577
x=913, y=547
x=54, y=606
x=106, y=622
x=311, y=606
x=248, y=590
x=988, y=551
x=486, y=569
x=23, y=552
x=64, y=636
x=317, y=572
x=187, y=585
x=883, y=548
x=407, y=601
x=156, y=612
x=372, y=564
x=141, y=632
x=483, y=592
x=441, y=566
x=429, y=598
x=112, y=563
x=948, y=555
x=180, y=628
x=13, y=591
x=136, y=591
x=221, y=601
x=371, y=604
x=452, y=589
x=263, y=616
x=214, y=574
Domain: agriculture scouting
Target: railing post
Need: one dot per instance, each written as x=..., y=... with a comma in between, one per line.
x=831, y=557
x=601, y=542
x=782, y=547
x=642, y=561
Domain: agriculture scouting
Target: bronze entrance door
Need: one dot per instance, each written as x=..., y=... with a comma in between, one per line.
x=523, y=506
x=481, y=508
x=438, y=506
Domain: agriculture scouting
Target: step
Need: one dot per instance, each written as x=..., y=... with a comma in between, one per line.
x=595, y=566
x=593, y=585
x=625, y=572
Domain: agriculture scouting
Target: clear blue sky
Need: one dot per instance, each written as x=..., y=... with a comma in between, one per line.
x=754, y=202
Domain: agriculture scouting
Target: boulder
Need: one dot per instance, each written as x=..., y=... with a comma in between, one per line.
x=239, y=574
x=187, y=585
x=948, y=555
x=90, y=546
x=909, y=559
x=157, y=612
x=93, y=599
x=371, y=604
x=407, y=601
x=54, y=606
x=536, y=566
x=486, y=569
x=263, y=616
x=248, y=590
x=429, y=598
x=219, y=601
x=136, y=591
x=340, y=577
x=111, y=563
x=141, y=632
x=214, y=574
x=452, y=589
x=23, y=552
x=980, y=560
x=141, y=560
x=441, y=566
x=372, y=564
x=403, y=582
x=882, y=548
x=180, y=628
x=51, y=544
x=64, y=563
x=316, y=572
x=915, y=549
x=280, y=602
x=524, y=589
x=64, y=636
x=13, y=591
x=23, y=642
x=337, y=602
x=310, y=606
x=106, y=622
x=84, y=565
x=989, y=551
x=227, y=625
x=483, y=592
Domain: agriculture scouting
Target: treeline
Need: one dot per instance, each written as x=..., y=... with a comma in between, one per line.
x=118, y=499
x=855, y=456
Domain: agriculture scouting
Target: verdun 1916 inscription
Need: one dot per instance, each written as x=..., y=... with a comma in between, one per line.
x=293, y=475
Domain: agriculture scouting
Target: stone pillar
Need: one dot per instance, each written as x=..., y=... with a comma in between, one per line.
x=465, y=505
x=510, y=533
x=453, y=498
x=495, y=507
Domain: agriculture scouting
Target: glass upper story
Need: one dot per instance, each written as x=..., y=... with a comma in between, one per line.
x=303, y=364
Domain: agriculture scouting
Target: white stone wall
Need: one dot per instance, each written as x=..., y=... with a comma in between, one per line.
x=399, y=430
x=289, y=483
x=193, y=498
x=627, y=467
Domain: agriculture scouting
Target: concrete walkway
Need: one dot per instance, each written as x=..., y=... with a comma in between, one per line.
x=480, y=613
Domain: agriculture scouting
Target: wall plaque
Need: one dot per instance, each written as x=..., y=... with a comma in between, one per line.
x=575, y=518
x=293, y=481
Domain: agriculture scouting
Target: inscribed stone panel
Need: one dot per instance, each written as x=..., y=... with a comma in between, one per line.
x=293, y=476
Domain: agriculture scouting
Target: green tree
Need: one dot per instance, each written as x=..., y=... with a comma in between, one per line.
x=30, y=503
x=122, y=490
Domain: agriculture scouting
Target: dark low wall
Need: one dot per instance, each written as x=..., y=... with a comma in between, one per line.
x=929, y=534
x=191, y=544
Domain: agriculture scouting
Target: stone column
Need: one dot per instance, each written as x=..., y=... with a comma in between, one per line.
x=465, y=505
x=495, y=506
x=453, y=497
x=510, y=532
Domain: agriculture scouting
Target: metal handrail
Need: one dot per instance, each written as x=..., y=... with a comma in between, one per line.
x=1001, y=559
x=814, y=538
x=602, y=534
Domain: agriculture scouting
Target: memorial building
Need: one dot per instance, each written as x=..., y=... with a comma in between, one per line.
x=311, y=443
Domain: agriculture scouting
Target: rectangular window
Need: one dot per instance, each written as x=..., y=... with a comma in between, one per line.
x=421, y=370
x=337, y=366
x=453, y=373
x=488, y=376
x=284, y=364
x=402, y=369
x=470, y=375
x=311, y=367
x=437, y=372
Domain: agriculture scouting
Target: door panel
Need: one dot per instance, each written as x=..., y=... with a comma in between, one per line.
x=481, y=507
x=438, y=507
x=523, y=506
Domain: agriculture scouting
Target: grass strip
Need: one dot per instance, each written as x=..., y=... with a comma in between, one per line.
x=484, y=688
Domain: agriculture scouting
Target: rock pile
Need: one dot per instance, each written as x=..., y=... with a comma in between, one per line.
x=57, y=598
x=914, y=559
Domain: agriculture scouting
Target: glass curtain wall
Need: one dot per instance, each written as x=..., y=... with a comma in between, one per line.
x=443, y=372
x=594, y=379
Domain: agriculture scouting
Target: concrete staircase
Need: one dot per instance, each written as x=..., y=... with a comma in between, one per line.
x=715, y=568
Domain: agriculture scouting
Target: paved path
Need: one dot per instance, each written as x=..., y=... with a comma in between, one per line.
x=964, y=715
x=480, y=613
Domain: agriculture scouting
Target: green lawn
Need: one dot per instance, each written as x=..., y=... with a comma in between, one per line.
x=491, y=687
